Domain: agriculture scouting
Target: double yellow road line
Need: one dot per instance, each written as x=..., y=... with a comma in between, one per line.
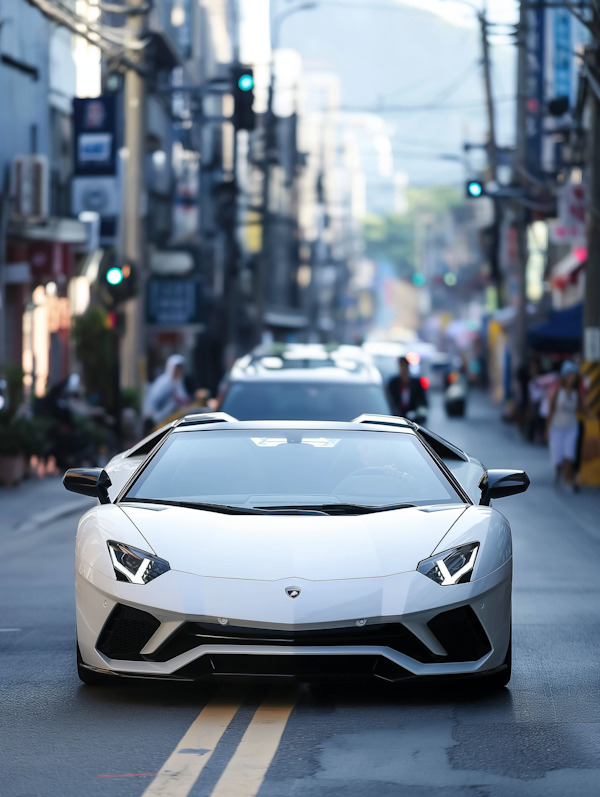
x=246, y=770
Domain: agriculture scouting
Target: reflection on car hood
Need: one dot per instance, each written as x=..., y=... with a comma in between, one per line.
x=265, y=548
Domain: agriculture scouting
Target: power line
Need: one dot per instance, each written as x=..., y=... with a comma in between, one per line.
x=416, y=84
x=418, y=108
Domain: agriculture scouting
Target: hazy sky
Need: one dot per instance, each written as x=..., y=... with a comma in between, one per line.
x=461, y=14
x=397, y=53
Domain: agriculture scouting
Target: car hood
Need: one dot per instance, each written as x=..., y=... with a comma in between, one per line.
x=316, y=548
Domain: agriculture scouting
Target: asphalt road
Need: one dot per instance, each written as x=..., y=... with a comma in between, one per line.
x=540, y=736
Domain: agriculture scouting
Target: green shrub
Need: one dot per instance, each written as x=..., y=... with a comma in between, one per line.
x=14, y=380
x=131, y=399
x=21, y=435
x=11, y=440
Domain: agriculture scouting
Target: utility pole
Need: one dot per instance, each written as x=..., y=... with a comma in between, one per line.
x=264, y=256
x=4, y=211
x=591, y=310
x=487, y=78
x=493, y=162
x=520, y=213
x=132, y=371
x=270, y=145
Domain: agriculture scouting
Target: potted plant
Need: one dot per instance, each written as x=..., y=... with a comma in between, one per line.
x=12, y=454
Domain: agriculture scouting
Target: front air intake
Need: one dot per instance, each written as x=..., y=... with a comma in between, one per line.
x=461, y=634
x=125, y=633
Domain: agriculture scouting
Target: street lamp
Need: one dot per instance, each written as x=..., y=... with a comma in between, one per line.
x=275, y=31
x=279, y=18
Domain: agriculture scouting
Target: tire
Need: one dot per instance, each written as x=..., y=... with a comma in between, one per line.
x=91, y=677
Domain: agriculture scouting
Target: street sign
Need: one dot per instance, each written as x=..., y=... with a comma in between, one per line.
x=94, y=133
x=96, y=185
x=173, y=302
x=570, y=227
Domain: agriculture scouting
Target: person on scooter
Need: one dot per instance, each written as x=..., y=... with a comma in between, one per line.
x=407, y=395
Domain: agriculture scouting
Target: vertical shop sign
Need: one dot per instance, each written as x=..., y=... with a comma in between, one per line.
x=94, y=129
x=563, y=55
x=96, y=182
x=534, y=89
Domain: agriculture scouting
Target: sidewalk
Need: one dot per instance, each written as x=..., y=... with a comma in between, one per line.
x=36, y=502
x=483, y=434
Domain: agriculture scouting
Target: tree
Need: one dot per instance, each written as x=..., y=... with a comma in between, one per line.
x=392, y=236
x=94, y=350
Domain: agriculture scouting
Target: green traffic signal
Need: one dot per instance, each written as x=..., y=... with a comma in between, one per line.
x=246, y=82
x=114, y=276
x=474, y=188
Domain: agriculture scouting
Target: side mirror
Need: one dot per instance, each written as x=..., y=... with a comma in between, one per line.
x=93, y=482
x=501, y=483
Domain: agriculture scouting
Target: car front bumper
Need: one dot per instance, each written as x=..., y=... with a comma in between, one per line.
x=186, y=627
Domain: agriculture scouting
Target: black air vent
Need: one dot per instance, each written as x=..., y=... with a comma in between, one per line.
x=461, y=634
x=125, y=633
x=393, y=635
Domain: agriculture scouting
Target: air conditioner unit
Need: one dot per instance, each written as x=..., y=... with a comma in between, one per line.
x=31, y=187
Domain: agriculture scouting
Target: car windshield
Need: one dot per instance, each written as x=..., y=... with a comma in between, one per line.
x=303, y=401
x=293, y=468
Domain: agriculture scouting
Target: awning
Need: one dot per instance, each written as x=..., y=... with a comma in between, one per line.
x=563, y=332
x=55, y=230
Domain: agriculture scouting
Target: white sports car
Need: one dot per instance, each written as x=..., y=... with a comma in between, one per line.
x=307, y=550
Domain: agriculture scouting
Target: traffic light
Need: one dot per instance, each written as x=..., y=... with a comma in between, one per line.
x=242, y=78
x=120, y=282
x=475, y=189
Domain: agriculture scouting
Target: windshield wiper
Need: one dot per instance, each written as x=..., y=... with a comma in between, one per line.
x=336, y=509
x=286, y=509
x=225, y=509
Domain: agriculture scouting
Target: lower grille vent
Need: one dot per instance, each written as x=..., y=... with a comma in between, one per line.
x=126, y=632
x=392, y=635
x=461, y=634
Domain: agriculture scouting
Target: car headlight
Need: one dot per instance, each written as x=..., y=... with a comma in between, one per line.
x=451, y=567
x=135, y=566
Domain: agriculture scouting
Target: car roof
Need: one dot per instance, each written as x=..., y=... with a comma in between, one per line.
x=308, y=426
x=189, y=424
x=307, y=366
x=311, y=350
x=309, y=376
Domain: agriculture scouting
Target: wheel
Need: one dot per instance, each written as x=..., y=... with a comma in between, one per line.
x=498, y=680
x=91, y=677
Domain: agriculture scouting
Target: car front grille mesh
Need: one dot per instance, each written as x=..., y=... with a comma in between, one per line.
x=459, y=631
x=192, y=635
x=125, y=633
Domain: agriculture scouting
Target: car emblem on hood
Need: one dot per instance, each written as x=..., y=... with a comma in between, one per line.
x=292, y=592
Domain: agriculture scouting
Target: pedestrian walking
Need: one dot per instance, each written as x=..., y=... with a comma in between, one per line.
x=165, y=394
x=563, y=424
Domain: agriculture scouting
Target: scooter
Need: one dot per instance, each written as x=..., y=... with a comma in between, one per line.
x=455, y=394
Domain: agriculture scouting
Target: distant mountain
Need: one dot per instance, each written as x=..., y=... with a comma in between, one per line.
x=404, y=56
